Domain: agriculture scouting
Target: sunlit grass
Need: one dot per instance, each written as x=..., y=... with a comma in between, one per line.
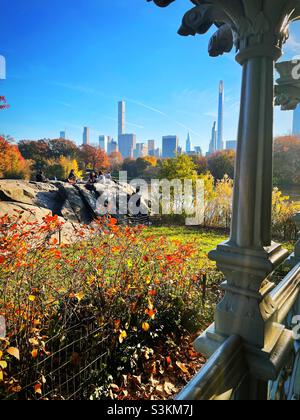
x=204, y=239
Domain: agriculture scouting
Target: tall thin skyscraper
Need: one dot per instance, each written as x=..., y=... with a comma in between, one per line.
x=189, y=145
x=86, y=136
x=121, y=118
x=213, y=141
x=220, y=136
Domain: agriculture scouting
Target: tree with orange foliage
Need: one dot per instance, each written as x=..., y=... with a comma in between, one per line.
x=116, y=160
x=287, y=160
x=4, y=147
x=94, y=158
x=12, y=163
x=151, y=159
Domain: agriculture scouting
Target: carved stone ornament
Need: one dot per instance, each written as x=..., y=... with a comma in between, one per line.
x=247, y=24
x=287, y=90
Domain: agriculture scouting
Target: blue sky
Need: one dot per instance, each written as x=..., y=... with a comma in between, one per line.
x=69, y=62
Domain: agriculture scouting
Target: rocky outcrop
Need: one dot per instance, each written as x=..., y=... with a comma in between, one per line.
x=31, y=193
x=74, y=204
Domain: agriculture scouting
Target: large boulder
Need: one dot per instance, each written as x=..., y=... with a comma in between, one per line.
x=34, y=214
x=75, y=204
x=31, y=193
x=74, y=207
x=27, y=212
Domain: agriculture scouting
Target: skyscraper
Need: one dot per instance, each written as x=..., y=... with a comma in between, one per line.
x=121, y=117
x=189, y=145
x=127, y=145
x=112, y=146
x=86, y=136
x=103, y=142
x=127, y=142
x=170, y=146
x=296, y=122
x=213, y=141
x=151, y=145
x=141, y=150
x=231, y=145
x=198, y=150
x=220, y=136
x=62, y=135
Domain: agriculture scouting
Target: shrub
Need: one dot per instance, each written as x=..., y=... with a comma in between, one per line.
x=127, y=285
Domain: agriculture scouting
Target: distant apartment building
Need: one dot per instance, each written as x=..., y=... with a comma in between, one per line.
x=62, y=135
x=86, y=136
x=213, y=140
x=231, y=145
x=151, y=146
x=198, y=151
x=103, y=142
x=140, y=151
x=170, y=146
x=158, y=152
x=112, y=146
x=127, y=145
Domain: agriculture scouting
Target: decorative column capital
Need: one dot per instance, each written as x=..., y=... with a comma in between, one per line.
x=254, y=27
x=287, y=90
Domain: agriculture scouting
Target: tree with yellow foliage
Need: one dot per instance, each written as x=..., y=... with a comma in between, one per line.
x=61, y=168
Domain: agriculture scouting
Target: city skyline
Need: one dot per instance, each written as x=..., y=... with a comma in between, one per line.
x=66, y=85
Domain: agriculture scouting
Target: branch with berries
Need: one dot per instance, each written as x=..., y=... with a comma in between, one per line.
x=3, y=103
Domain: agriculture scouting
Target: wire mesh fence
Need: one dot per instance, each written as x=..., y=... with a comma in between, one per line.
x=71, y=367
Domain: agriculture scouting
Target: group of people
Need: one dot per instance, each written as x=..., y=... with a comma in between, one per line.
x=94, y=177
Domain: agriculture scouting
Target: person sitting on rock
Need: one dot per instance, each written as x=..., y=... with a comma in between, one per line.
x=72, y=177
x=91, y=182
x=108, y=176
x=101, y=177
x=40, y=177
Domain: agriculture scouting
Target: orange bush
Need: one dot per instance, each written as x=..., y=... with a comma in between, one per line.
x=135, y=288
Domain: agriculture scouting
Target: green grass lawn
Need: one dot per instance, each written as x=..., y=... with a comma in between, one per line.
x=205, y=240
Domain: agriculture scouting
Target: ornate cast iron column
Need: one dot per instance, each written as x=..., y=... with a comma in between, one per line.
x=258, y=29
x=287, y=93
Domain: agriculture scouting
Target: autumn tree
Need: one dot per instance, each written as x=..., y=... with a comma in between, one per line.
x=12, y=163
x=62, y=147
x=38, y=151
x=138, y=168
x=222, y=163
x=116, y=160
x=62, y=167
x=201, y=164
x=94, y=158
x=287, y=160
x=45, y=149
x=4, y=148
x=182, y=167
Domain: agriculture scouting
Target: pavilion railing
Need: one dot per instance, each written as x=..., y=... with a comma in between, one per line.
x=225, y=374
